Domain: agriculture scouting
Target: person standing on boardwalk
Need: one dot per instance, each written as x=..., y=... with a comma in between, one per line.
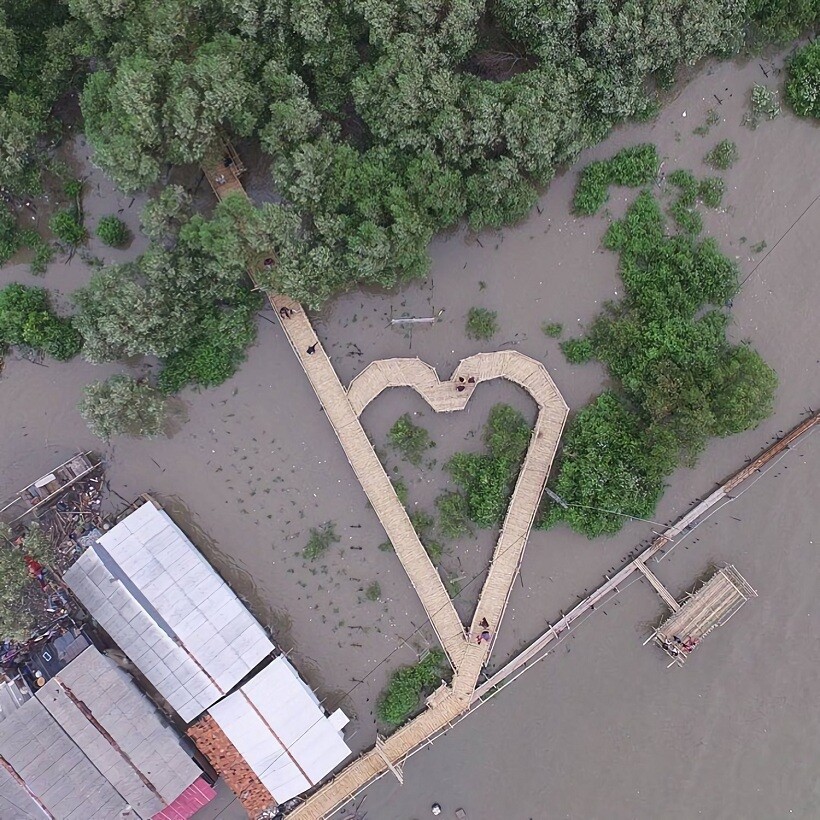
x=312, y=349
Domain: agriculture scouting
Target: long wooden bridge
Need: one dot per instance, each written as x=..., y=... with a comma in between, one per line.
x=466, y=652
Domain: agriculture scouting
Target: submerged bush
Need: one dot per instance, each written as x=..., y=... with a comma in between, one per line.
x=710, y=191
x=453, y=515
x=724, y=155
x=402, y=695
x=763, y=105
x=576, y=351
x=803, y=81
x=26, y=318
x=632, y=167
x=319, y=541
x=481, y=323
x=112, y=231
x=67, y=227
x=410, y=439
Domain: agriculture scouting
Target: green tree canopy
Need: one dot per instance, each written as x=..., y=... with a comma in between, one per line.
x=679, y=380
x=121, y=406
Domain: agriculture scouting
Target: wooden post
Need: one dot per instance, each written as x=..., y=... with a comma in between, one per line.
x=396, y=768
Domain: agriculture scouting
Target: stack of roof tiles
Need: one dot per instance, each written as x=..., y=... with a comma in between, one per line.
x=230, y=765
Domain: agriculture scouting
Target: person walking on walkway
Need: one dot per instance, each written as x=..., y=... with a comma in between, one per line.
x=312, y=349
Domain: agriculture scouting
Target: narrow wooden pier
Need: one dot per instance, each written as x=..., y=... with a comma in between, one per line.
x=653, y=579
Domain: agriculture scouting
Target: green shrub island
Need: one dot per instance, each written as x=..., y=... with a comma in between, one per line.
x=678, y=379
x=803, y=81
x=112, y=231
x=27, y=319
x=485, y=480
x=410, y=439
x=632, y=167
x=482, y=324
x=122, y=406
x=402, y=695
x=724, y=155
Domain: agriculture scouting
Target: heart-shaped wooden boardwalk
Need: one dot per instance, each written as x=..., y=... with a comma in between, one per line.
x=343, y=408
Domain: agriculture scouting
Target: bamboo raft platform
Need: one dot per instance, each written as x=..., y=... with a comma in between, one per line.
x=710, y=607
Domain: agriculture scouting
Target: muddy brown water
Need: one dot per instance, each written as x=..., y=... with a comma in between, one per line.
x=602, y=730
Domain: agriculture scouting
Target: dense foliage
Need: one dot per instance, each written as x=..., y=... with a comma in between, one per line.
x=633, y=166
x=38, y=49
x=26, y=318
x=679, y=380
x=803, y=82
x=402, y=695
x=121, y=406
x=485, y=480
x=411, y=440
x=186, y=300
x=386, y=120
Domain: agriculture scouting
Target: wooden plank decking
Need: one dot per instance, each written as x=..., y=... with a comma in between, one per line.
x=710, y=607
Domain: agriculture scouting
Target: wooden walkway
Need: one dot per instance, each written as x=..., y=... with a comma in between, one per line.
x=343, y=407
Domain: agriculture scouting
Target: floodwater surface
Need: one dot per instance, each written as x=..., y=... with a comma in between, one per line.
x=601, y=729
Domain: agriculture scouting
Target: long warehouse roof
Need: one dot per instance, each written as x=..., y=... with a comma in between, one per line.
x=180, y=624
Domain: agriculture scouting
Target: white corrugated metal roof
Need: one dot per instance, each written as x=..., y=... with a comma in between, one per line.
x=148, y=586
x=278, y=726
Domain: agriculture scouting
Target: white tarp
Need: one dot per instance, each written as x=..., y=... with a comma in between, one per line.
x=277, y=724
